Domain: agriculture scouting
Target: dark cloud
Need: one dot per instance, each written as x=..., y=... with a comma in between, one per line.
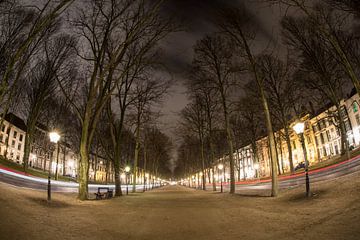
x=197, y=18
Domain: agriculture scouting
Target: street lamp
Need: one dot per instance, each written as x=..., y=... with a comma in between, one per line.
x=221, y=167
x=54, y=138
x=146, y=180
x=127, y=171
x=299, y=129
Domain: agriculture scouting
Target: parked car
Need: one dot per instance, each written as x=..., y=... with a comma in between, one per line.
x=300, y=165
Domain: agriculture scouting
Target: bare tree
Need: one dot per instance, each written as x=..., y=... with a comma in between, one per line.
x=193, y=119
x=237, y=24
x=327, y=24
x=201, y=91
x=147, y=92
x=214, y=58
x=42, y=83
x=319, y=71
x=21, y=29
x=281, y=92
x=106, y=29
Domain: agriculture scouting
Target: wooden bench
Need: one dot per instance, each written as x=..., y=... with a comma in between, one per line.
x=103, y=194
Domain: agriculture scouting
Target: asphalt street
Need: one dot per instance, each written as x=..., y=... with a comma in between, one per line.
x=327, y=173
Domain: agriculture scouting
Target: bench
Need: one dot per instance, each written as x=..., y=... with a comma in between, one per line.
x=100, y=194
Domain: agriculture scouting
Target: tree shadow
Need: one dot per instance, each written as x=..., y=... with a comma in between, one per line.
x=301, y=197
x=49, y=204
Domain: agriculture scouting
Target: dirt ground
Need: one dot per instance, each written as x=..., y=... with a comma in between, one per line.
x=176, y=212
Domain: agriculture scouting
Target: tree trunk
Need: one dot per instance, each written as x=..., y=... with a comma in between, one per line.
x=27, y=146
x=344, y=141
x=84, y=161
x=272, y=146
x=281, y=155
x=64, y=160
x=203, y=164
x=288, y=143
x=136, y=157
x=230, y=143
x=117, y=157
x=213, y=178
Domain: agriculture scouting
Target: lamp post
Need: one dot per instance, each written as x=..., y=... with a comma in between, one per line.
x=127, y=171
x=146, y=181
x=54, y=138
x=221, y=167
x=299, y=129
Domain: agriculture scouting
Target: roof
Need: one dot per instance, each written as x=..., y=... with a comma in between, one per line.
x=16, y=121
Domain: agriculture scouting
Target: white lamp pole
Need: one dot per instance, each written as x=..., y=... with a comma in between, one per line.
x=54, y=138
x=127, y=171
x=221, y=167
x=299, y=129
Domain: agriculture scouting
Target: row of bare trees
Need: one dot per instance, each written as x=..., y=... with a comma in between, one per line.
x=87, y=68
x=254, y=91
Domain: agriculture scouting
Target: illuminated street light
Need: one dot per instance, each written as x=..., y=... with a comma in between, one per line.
x=54, y=138
x=299, y=129
x=127, y=171
x=220, y=167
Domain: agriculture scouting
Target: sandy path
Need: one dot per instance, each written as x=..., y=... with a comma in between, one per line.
x=175, y=212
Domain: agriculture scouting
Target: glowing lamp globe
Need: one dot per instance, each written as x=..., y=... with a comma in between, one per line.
x=54, y=137
x=299, y=127
x=127, y=169
x=220, y=166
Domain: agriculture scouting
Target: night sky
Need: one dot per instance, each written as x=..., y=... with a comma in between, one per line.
x=196, y=17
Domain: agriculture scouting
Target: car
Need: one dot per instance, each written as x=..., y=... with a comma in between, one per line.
x=300, y=165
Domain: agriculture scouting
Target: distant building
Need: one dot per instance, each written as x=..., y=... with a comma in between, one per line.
x=12, y=138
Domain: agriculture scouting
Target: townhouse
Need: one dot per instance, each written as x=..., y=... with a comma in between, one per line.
x=322, y=141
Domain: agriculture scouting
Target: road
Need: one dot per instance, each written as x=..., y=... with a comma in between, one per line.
x=21, y=180
x=318, y=175
x=330, y=172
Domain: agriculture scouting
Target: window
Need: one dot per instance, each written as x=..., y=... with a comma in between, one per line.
x=8, y=131
x=294, y=145
x=343, y=112
x=317, y=140
x=347, y=125
x=324, y=151
x=1, y=137
x=322, y=138
x=337, y=132
x=13, y=143
x=315, y=128
x=3, y=128
x=355, y=107
x=333, y=133
x=15, y=134
x=308, y=139
x=357, y=117
x=336, y=149
x=19, y=146
x=328, y=135
x=21, y=137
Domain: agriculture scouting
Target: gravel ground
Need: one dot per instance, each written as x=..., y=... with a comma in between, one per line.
x=175, y=212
